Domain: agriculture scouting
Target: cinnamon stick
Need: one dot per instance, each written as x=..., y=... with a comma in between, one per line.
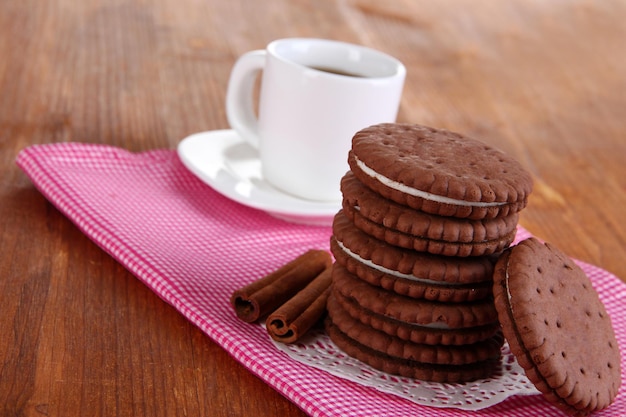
x=299, y=314
x=268, y=293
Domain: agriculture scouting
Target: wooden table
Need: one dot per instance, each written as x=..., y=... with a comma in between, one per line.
x=79, y=335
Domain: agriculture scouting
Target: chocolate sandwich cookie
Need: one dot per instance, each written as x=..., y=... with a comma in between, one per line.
x=420, y=352
x=413, y=332
x=407, y=272
x=411, y=368
x=557, y=327
x=408, y=284
x=438, y=171
x=432, y=314
x=414, y=229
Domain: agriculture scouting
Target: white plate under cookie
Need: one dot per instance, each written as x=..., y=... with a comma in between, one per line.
x=229, y=165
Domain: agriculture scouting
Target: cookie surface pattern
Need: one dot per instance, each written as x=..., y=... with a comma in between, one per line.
x=557, y=327
x=439, y=171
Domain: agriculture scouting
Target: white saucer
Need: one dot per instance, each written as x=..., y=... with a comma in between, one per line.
x=224, y=161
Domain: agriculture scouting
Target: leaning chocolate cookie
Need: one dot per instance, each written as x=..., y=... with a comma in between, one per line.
x=438, y=171
x=557, y=327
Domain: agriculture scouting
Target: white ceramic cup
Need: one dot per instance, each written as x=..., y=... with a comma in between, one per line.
x=308, y=115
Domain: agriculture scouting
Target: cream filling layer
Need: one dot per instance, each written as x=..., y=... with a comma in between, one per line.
x=506, y=285
x=419, y=193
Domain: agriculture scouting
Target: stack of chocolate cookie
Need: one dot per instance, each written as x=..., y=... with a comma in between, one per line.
x=425, y=214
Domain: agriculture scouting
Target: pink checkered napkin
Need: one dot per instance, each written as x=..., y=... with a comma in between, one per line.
x=193, y=247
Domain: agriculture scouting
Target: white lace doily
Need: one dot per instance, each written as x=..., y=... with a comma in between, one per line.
x=317, y=350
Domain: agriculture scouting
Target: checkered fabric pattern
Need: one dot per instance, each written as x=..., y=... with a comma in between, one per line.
x=193, y=247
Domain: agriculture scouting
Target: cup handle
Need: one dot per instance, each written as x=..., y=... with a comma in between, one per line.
x=239, y=105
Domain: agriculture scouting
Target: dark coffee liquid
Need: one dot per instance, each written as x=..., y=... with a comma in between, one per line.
x=339, y=72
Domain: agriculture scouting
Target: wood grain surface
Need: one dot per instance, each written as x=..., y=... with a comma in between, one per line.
x=79, y=335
